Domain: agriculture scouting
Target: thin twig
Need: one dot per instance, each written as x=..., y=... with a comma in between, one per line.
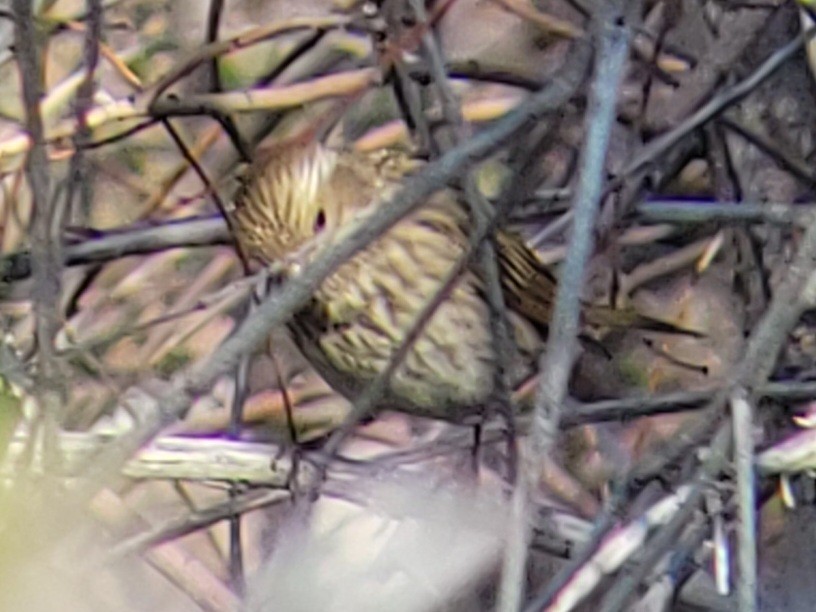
x=243, y=40
x=695, y=211
x=478, y=71
x=191, y=159
x=136, y=240
x=302, y=47
x=182, y=569
x=556, y=363
x=214, y=13
x=46, y=255
x=741, y=416
x=550, y=25
x=662, y=266
x=715, y=106
x=77, y=174
x=797, y=167
x=451, y=111
x=617, y=410
x=195, y=521
x=192, y=578
x=272, y=98
x=213, y=26
x=236, y=558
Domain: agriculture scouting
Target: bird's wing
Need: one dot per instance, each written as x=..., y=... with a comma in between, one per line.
x=528, y=286
x=529, y=289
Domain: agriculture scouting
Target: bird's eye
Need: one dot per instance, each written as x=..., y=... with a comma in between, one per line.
x=320, y=221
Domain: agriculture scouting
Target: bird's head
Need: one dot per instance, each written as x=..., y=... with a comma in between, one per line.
x=295, y=199
x=284, y=204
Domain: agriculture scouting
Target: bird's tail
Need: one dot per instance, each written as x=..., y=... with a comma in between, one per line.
x=605, y=316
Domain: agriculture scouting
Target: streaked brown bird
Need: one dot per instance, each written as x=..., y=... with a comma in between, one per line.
x=294, y=201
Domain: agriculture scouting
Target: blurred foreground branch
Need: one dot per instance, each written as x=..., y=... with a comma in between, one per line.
x=172, y=458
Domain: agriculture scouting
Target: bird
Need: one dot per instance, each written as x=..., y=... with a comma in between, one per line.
x=295, y=199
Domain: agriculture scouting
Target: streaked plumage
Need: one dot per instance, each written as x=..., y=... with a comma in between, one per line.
x=293, y=201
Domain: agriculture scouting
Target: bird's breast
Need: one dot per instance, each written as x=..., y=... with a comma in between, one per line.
x=363, y=312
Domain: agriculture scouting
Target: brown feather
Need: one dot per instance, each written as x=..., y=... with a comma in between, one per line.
x=529, y=289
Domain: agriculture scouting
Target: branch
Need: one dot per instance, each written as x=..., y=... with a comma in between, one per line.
x=715, y=106
x=556, y=362
x=136, y=240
